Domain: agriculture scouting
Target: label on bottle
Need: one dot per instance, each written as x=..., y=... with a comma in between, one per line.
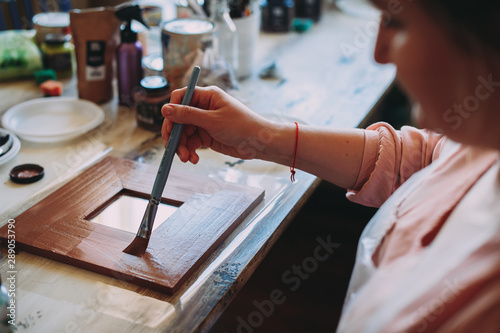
x=96, y=69
x=278, y=19
x=60, y=62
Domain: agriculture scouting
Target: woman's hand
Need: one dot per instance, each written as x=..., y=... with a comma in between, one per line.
x=220, y=122
x=215, y=120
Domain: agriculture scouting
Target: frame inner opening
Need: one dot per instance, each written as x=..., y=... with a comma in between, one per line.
x=125, y=212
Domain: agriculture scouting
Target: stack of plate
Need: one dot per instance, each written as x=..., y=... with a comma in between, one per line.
x=52, y=119
x=9, y=145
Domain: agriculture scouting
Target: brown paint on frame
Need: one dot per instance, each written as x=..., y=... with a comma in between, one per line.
x=58, y=227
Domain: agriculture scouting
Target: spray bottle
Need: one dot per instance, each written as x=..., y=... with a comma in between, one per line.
x=129, y=55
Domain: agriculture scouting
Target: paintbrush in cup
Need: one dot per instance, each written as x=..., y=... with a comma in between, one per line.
x=140, y=243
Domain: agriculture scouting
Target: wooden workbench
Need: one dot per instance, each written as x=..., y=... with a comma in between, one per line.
x=320, y=86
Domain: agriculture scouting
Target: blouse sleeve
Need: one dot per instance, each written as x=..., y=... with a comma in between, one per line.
x=390, y=157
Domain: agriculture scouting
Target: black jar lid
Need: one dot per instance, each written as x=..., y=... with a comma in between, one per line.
x=154, y=83
x=26, y=173
x=56, y=38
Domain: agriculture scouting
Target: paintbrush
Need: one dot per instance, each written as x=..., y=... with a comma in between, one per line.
x=141, y=240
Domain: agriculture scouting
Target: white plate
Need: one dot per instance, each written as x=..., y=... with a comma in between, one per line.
x=16, y=145
x=52, y=119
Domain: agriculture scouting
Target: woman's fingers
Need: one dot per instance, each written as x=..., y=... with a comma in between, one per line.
x=203, y=97
x=193, y=157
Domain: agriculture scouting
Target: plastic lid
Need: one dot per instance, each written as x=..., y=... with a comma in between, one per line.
x=153, y=61
x=56, y=38
x=54, y=19
x=154, y=83
x=26, y=173
x=188, y=26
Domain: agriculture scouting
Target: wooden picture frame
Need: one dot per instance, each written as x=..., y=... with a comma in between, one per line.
x=58, y=227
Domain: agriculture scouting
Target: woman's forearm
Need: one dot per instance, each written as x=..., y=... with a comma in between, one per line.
x=334, y=155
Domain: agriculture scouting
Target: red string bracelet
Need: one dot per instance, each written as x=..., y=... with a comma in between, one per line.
x=292, y=168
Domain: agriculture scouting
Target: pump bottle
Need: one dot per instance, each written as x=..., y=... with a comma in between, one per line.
x=129, y=55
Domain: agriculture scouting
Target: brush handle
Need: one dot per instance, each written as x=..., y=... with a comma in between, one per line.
x=173, y=141
x=148, y=219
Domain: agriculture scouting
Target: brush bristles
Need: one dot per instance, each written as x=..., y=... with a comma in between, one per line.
x=137, y=247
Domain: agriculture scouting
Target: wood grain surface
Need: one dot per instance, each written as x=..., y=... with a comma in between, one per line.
x=58, y=227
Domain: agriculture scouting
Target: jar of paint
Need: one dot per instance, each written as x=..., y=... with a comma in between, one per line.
x=153, y=93
x=309, y=9
x=58, y=54
x=50, y=22
x=184, y=43
x=277, y=15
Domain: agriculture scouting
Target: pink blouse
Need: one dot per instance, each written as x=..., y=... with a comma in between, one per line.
x=429, y=261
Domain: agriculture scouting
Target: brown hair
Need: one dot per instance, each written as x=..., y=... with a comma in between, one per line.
x=469, y=22
x=473, y=24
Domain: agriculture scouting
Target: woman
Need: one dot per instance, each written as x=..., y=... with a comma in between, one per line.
x=429, y=261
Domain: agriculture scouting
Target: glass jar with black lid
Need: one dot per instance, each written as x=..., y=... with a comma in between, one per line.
x=58, y=54
x=153, y=93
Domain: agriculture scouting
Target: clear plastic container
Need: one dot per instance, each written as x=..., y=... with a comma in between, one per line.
x=226, y=31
